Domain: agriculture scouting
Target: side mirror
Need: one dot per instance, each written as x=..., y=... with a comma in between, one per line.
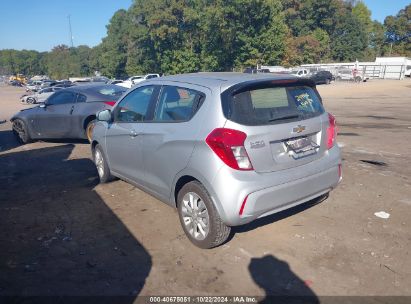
x=104, y=115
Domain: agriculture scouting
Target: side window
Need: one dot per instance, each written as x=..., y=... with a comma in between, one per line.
x=134, y=107
x=60, y=98
x=151, y=76
x=177, y=104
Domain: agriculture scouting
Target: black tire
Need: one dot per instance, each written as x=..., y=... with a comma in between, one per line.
x=21, y=132
x=358, y=79
x=104, y=175
x=89, y=130
x=338, y=78
x=31, y=100
x=327, y=81
x=218, y=231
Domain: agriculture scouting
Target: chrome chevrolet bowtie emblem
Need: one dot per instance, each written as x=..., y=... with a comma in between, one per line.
x=298, y=129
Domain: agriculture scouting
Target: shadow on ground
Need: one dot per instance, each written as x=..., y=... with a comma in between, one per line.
x=8, y=141
x=279, y=283
x=57, y=236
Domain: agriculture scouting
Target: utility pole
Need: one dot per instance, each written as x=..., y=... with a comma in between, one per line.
x=71, y=33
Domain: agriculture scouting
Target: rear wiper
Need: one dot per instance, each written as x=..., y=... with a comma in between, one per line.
x=285, y=117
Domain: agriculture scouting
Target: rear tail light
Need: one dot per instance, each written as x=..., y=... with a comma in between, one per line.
x=110, y=103
x=331, y=131
x=228, y=145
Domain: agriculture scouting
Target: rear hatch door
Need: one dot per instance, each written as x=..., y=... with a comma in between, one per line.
x=285, y=124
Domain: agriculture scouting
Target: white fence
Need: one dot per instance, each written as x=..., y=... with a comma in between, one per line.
x=371, y=70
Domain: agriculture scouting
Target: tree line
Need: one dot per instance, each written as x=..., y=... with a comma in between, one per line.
x=178, y=36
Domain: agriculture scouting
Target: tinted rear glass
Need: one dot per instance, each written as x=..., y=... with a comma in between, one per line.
x=111, y=91
x=275, y=105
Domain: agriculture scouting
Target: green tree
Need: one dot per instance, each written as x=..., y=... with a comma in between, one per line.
x=398, y=32
x=349, y=39
x=114, y=46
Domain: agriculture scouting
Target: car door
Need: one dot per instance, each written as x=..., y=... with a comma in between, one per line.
x=124, y=136
x=170, y=138
x=316, y=77
x=54, y=119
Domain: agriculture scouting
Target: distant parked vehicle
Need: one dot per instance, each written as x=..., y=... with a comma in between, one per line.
x=115, y=81
x=351, y=75
x=16, y=83
x=136, y=79
x=100, y=79
x=322, y=77
x=250, y=70
x=33, y=86
x=47, y=83
x=68, y=113
x=408, y=71
x=40, y=96
x=301, y=72
x=64, y=84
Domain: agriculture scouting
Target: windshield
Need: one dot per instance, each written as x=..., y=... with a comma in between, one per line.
x=275, y=105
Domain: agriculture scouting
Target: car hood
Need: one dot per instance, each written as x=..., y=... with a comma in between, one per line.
x=24, y=112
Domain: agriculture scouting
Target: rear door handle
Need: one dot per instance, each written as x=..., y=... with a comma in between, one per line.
x=134, y=133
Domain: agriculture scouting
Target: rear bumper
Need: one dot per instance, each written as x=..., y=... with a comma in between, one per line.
x=268, y=193
x=277, y=198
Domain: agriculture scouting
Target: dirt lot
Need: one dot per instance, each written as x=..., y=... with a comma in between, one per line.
x=61, y=233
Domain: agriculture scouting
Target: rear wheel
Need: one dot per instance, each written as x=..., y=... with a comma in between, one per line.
x=20, y=131
x=358, y=79
x=327, y=81
x=101, y=164
x=338, y=78
x=199, y=218
x=31, y=100
x=89, y=130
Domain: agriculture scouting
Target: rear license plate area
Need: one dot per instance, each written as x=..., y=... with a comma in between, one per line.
x=301, y=146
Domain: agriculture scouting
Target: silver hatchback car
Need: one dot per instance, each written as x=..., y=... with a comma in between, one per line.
x=223, y=148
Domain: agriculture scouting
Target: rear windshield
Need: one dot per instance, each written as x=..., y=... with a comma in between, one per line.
x=275, y=105
x=112, y=91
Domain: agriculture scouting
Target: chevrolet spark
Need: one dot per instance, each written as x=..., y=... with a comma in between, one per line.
x=222, y=148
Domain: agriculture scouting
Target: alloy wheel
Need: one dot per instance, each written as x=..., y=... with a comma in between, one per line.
x=195, y=216
x=98, y=157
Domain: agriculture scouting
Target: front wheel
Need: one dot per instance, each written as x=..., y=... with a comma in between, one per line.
x=21, y=132
x=199, y=218
x=327, y=81
x=101, y=164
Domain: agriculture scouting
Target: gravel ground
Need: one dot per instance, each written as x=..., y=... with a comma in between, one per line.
x=61, y=233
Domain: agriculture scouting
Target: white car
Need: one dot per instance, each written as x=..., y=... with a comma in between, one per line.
x=39, y=96
x=33, y=86
x=133, y=80
x=351, y=75
x=300, y=72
